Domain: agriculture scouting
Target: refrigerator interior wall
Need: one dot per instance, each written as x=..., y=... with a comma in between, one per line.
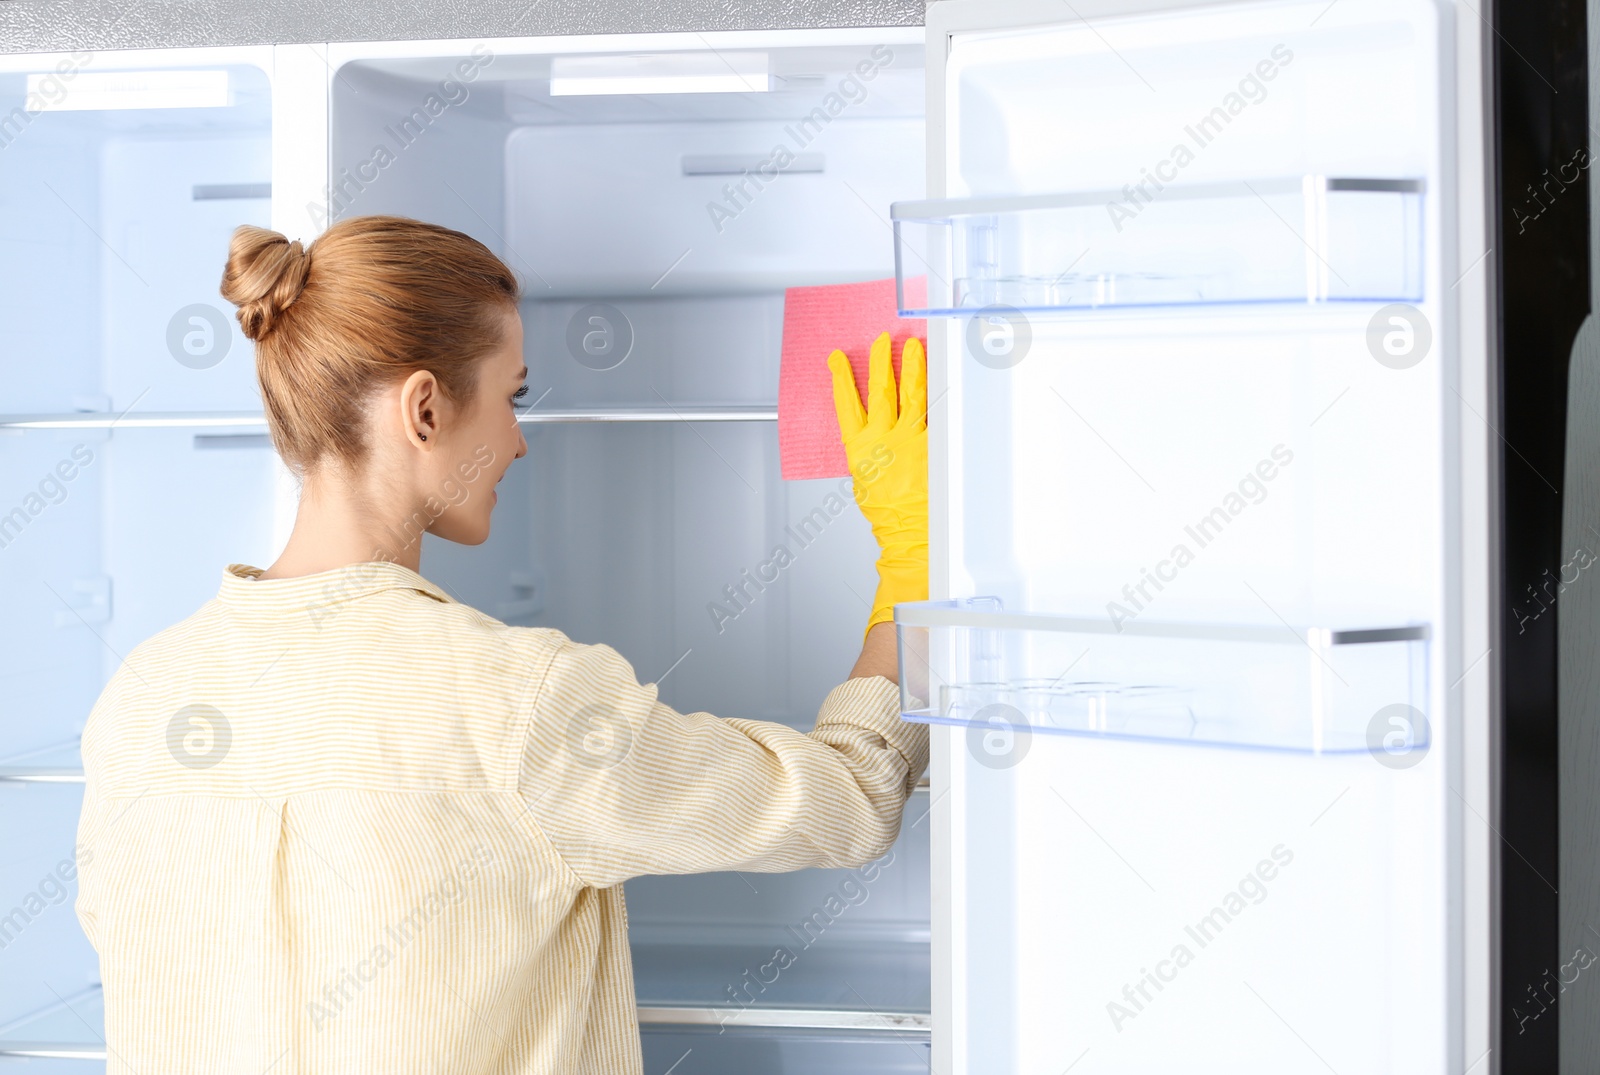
x=651, y=536
x=1146, y=905
x=114, y=235
x=580, y=195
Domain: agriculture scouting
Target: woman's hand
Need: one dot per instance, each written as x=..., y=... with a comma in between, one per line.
x=886, y=444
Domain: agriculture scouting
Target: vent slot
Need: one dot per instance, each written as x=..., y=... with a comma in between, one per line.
x=741, y=163
x=216, y=441
x=216, y=192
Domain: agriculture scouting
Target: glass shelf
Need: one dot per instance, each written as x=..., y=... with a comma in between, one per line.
x=62, y=765
x=1273, y=687
x=1308, y=239
x=58, y=764
x=72, y=1029
x=68, y=1029
x=246, y=420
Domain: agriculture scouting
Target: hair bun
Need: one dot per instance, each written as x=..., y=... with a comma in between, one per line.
x=265, y=275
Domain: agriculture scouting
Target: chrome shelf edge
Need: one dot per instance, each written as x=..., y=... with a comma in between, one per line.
x=21, y=775
x=652, y=414
x=75, y=776
x=155, y=420
x=244, y=420
x=47, y=1051
x=789, y=1018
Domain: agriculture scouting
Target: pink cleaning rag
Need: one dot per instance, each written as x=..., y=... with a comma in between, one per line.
x=816, y=320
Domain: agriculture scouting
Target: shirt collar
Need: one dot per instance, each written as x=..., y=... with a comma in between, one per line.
x=243, y=587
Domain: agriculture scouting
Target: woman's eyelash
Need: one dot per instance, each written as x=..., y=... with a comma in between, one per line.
x=519, y=393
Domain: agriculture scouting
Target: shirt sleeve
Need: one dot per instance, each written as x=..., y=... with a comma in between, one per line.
x=624, y=785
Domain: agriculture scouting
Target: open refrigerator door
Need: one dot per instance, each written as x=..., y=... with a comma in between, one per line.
x=1196, y=659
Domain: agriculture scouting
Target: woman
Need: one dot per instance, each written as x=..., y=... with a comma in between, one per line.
x=336, y=821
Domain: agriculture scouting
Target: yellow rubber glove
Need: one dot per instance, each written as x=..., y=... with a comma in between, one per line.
x=887, y=447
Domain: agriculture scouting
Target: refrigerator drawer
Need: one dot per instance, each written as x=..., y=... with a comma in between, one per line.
x=1317, y=690
x=1310, y=238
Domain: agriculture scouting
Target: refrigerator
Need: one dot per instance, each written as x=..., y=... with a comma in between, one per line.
x=1246, y=363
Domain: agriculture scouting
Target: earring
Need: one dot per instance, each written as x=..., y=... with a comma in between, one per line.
x=424, y=436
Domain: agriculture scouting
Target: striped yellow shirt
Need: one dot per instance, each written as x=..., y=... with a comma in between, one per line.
x=344, y=823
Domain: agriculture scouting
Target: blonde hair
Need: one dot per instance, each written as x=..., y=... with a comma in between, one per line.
x=373, y=300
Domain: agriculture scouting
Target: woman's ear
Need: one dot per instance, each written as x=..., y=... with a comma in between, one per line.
x=419, y=408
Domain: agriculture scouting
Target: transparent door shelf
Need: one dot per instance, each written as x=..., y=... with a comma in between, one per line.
x=1272, y=687
x=1308, y=239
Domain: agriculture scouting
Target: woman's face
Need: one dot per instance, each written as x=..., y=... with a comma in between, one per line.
x=478, y=444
